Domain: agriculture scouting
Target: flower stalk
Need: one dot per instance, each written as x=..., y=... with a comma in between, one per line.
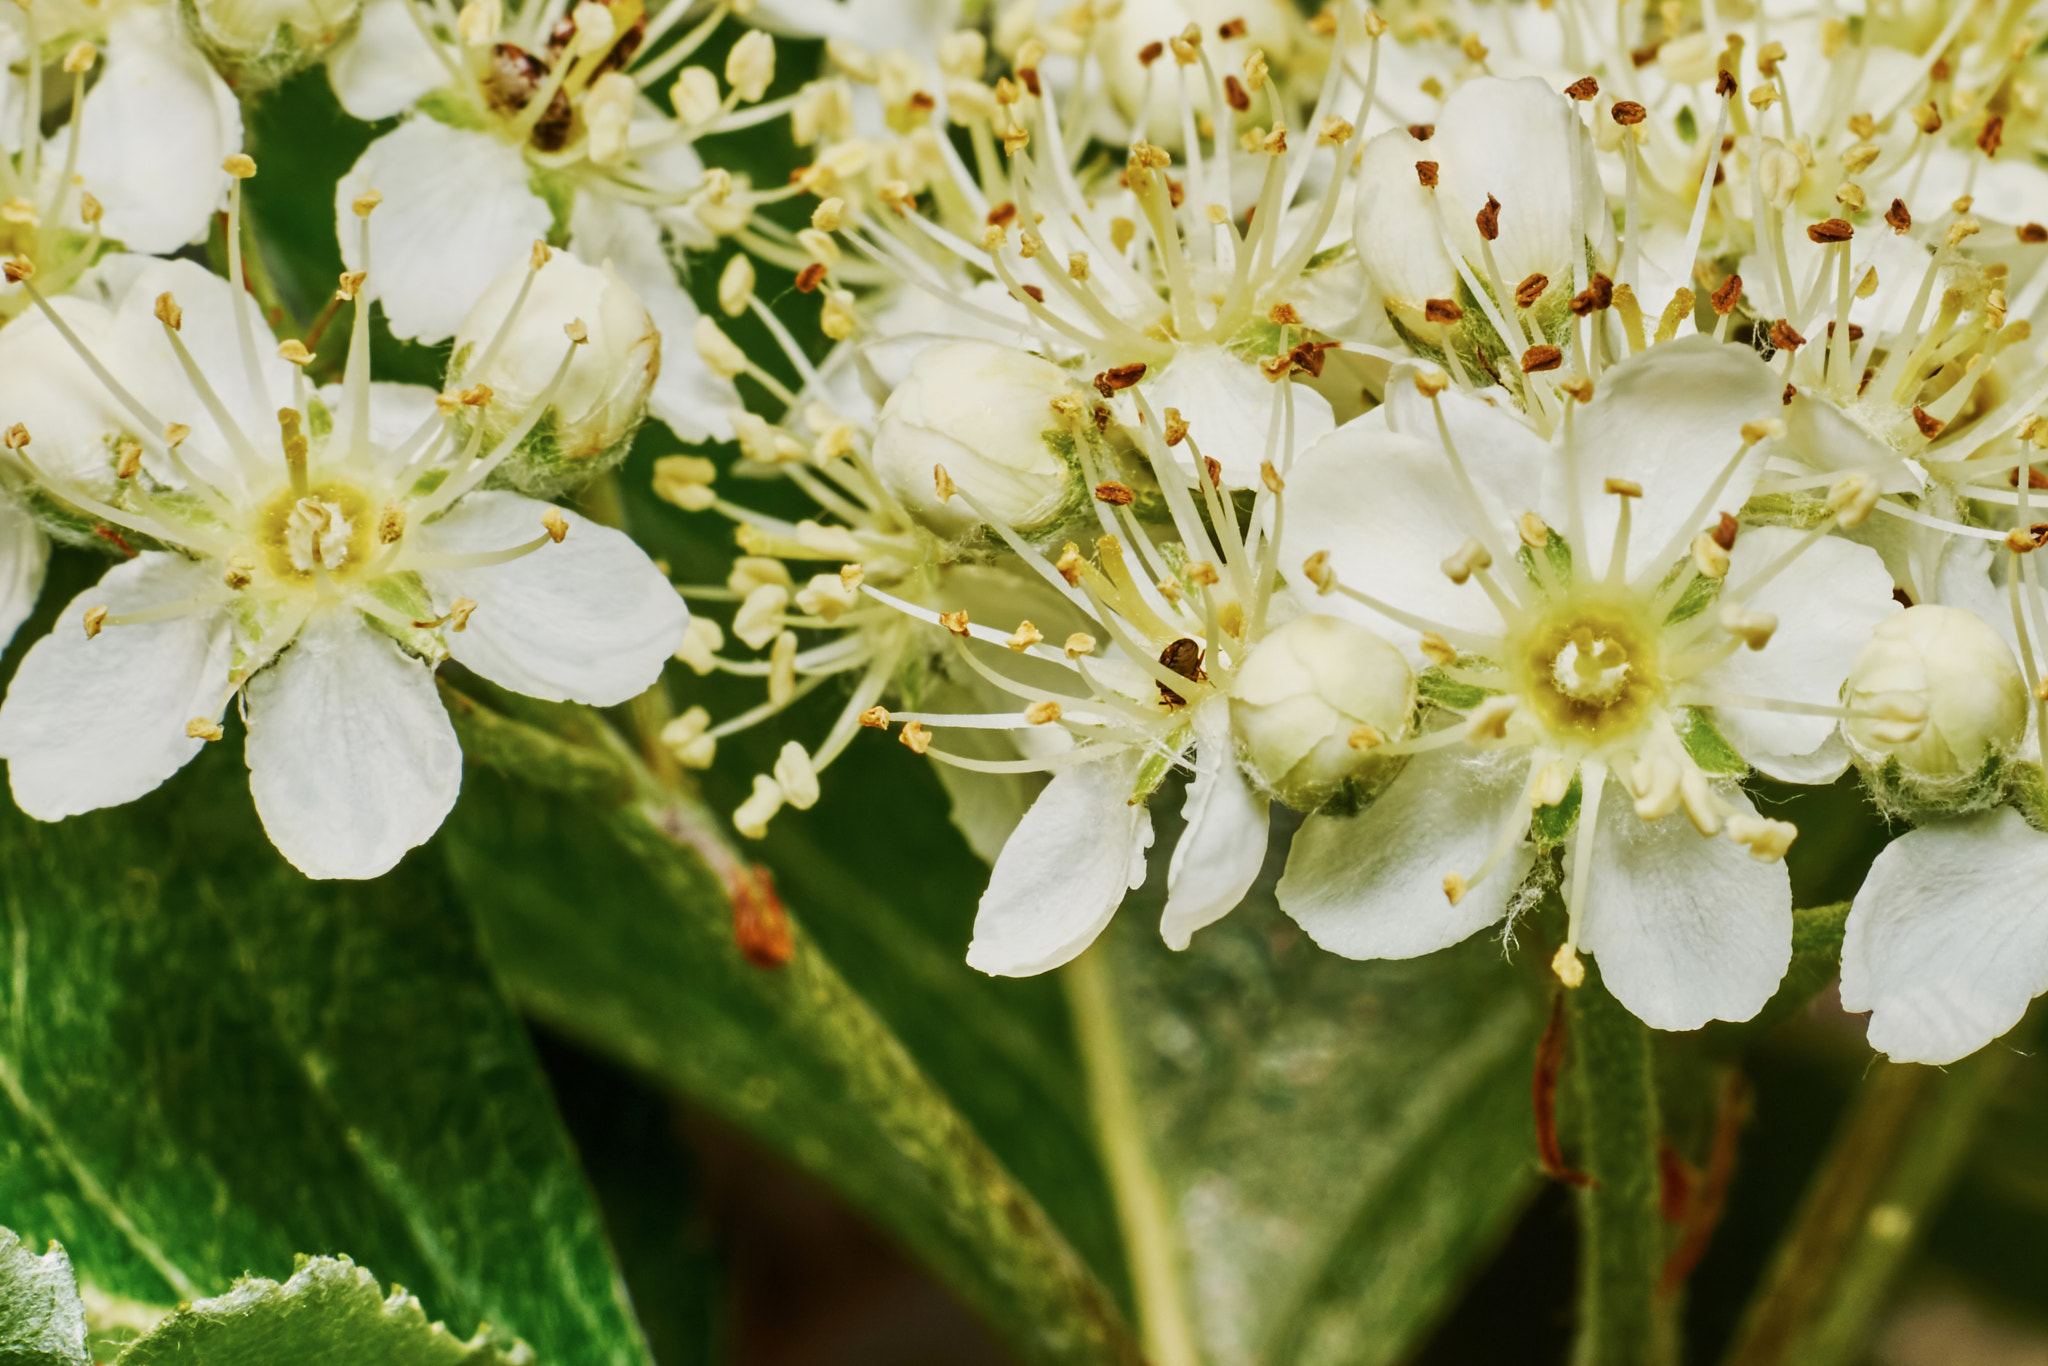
x=1622, y=1321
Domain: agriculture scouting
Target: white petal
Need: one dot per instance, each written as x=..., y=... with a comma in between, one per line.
x=145, y=362
x=1669, y=419
x=1395, y=226
x=1512, y=139
x=1388, y=511
x=24, y=555
x=96, y=722
x=457, y=213
x=352, y=759
x=154, y=131
x=1230, y=410
x=1371, y=885
x=48, y=389
x=587, y=620
x=696, y=404
x=385, y=65
x=1064, y=871
x=1948, y=937
x=1827, y=604
x=1220, y=853
x=1686, y=929
x=1504, y=457
x=1821, y=437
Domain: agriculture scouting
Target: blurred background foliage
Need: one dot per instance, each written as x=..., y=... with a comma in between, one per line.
x=531, y=1077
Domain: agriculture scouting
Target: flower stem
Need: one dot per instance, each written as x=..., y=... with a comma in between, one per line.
x=1142, y=1214
x=1891, y=1161
x=1621, y=1229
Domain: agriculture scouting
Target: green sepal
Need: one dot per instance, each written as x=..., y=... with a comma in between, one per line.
x=1436, y=688
x=406, y=594
x=42, y=1319
x=1706, y=746
x=1549, y=826
x=1557, y=552
x=1159, y=763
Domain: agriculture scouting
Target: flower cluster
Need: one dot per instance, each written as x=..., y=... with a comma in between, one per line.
x=1498, y=446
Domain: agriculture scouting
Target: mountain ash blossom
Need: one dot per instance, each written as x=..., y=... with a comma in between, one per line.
x=1608, y=647
x=314, y=554
x=522, y=116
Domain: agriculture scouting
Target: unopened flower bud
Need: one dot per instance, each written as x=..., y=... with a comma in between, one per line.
x=985, y=414
x=1944, y=678
x=1314, y=701
x=257, y=43
x=599, y=402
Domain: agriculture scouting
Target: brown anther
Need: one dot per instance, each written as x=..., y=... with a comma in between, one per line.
x=1029, y=76
x=17, y=437
x=1308, y=356
x=2033, y=234
x=1543, y=357
x=1927, y=117
x=1855, y=331
x=1830, y=230
x=1151, y=53
x=875, y=718
x=556, y=525
x=1231, y=28
x=1724, y=531
x=1270, y=477
x=1724, y=83
x=1119, y=377
x=1930, y=426
x=1597, y=295
x=18, y=269
x=1235, y=95
x=1024, y=637
x=127, y=460
x=95, y=621
x=2026, y=540
x=475, y=396
x=1425, y=171
x=350, y=285
x=459, y=613
x=1422, y=132
x=1215, y=471
x=1283, y=315
x=1898, y=217
x=1316, y=569
x=915, y=737
x=1442, y=311
x=942, y=484
x=1582, y=89
x=1787, y=397
x=1115, y=493
x=1578, y=386
x=1176, y=426
x=1488, y=219
x=176, y=432
x=1628, y=113
x=810, y=277
x=1531, y=289
x=2035, y=479
x=956, y=622
x=1784, y=338
x=1036, y=294
x=168, y=313
x=1992, y=136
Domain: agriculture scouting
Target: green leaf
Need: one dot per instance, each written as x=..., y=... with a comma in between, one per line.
x=209, y=1064
x=616, y=928
x=330, y=1313
x=1339, y=1142
x=42, y=1320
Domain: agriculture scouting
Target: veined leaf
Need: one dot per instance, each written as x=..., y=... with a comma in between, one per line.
x=42, y=1320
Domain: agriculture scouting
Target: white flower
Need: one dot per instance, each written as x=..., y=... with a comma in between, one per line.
x=1597, y=645
x=545, y=117
x=985, y=415
x=511, y=342
x=1484, y=261
x=322, y=554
